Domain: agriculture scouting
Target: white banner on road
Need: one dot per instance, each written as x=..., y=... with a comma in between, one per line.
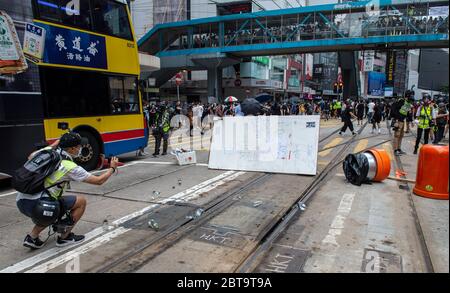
x=274, y=144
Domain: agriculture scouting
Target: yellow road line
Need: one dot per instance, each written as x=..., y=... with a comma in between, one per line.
x=333, y=143
x=362, y=144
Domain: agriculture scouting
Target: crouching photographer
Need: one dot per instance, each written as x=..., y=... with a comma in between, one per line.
x=41, y=184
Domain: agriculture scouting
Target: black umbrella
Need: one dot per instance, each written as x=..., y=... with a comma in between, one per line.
x=250, y=106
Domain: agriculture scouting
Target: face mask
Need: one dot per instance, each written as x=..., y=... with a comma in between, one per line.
x=78, y=154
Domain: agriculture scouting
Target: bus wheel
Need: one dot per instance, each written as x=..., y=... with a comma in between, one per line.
x=90, y=153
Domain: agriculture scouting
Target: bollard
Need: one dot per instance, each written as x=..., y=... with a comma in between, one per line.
x=372, y=165
x=432, y=172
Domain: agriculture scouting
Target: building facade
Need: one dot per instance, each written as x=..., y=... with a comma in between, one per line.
x=281, y=76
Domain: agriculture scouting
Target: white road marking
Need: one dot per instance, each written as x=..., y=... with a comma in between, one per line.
x=323, y=261
x=147, y=162
x=196, y=192
x=181, y=196
x=78, y=251
x=164, y=163
x=29, y=262
x=9, y=193
x=338, y=222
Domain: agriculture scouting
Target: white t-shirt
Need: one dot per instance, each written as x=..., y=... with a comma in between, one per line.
x=371, y=107
x=77, y=174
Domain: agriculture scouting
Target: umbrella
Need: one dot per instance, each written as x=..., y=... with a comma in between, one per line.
x=264, y=97
x=251, y=106
x=230, y=99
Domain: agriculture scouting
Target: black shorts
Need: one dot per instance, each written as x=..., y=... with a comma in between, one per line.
x=26, y=206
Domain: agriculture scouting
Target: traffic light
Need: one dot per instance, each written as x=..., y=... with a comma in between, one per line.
x=341, y=88
x=335, y=88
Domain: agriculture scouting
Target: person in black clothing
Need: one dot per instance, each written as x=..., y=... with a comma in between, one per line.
x=275, y=110
x=347, y=116
x=360, y=107
x=387, y=111
x=441, y=122
x=377, y=116
x=399, y=111
x=161, y=129
x=326, y=110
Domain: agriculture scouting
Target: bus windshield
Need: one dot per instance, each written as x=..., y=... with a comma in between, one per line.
x=101, y=16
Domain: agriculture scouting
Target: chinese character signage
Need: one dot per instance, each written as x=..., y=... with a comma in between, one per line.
x=369, y=58
x=75, y=48
x=12, y=60
x=33, y=44
x=390, y=68
x=318, y=70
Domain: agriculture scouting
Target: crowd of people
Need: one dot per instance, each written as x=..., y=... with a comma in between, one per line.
x=403, y=113
x=409, y=21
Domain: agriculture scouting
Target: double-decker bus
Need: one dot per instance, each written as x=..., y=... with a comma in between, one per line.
x=87, y=77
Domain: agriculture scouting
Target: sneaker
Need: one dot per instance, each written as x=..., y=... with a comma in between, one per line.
x=32, y=243
x=164, y=154
x=71, y=239
x=142, y=153
x=353, y=133
x=401, y=152
x=397, y=153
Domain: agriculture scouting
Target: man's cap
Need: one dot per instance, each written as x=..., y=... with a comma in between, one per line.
x=72, y=139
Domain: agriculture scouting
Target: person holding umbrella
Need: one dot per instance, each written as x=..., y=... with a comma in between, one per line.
x=251, y=107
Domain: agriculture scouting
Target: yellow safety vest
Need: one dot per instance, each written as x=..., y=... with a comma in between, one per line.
x=425, y=117
x=57, y=191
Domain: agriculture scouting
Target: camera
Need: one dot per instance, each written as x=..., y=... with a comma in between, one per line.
x=63, y=125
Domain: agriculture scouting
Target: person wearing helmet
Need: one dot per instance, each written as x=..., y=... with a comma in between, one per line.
x=399, y=112
x=35, y=206
x=426, y=117
x=161, y=129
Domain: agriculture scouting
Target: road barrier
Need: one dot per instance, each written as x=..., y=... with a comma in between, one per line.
x=372, y=165
x=432, y=172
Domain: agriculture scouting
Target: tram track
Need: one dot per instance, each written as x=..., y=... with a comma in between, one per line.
x=423, y=244
x=141, y=254
x=248, y=264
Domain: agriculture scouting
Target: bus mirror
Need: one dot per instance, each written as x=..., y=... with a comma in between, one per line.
x=63, y=125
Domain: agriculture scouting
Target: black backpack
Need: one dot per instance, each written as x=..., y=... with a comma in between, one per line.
x=29, y=178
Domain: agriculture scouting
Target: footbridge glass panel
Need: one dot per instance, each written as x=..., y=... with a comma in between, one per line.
x=353, y=25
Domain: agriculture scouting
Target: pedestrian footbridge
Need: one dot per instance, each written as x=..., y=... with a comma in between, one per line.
x=361, y=25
